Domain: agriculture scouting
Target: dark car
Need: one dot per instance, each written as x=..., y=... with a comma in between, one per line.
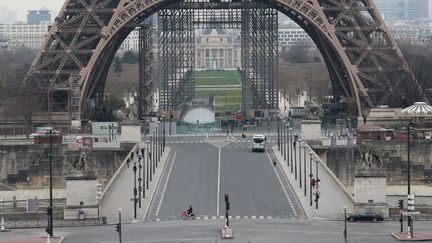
x=365, y=216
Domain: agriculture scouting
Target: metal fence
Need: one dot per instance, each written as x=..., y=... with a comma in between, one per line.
x=16, y=224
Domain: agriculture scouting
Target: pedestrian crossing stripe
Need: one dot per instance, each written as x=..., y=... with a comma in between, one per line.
x=208, y=217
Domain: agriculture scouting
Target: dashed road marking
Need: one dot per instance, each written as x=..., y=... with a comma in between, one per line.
x=165, y=186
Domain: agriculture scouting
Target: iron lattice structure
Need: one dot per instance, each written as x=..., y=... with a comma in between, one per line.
x=176, y=56
x=363, y=59
x=146, y=68
x=259, y=57
x=258, y=25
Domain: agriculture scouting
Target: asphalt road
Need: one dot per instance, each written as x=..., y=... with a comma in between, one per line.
x=202, y=170
x=244, y=231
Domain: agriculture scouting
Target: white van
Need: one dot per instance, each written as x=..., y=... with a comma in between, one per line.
x=258, y=143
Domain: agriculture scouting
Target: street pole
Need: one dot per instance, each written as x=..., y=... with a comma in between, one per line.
x=317, y=186
x=287, y=142
x=149, y=162
x=410, y=223
x=345, y=217
x=310, y=178
x=135, y=190
x=300, y=168
x=283, y=143
x=144, y=171
x=119, y=225
x=295, y=156
x=154, y=151
x=164, y=133
x=139, y=178
x=50, y=208
x=278, y=132
x=290, y=148
x=170, y=119
x=157, y=144
x=304, y=169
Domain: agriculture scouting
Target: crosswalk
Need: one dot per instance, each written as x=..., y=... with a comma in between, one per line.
x=185, y=141
x=214, y=217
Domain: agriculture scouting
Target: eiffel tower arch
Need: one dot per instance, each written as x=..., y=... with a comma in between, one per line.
x=364, y=62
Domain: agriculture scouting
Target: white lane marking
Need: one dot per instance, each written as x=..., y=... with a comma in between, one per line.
x=237, y=217
x=165, y=186
x=283, y=187
x=253, y=217
x=218, y=183
x=205, y=217
x=213, y=217
x=261, y=217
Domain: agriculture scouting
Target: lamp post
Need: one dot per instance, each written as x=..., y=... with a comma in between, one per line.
x=317, y=186
x=287, y=142
x=119, y=224
x=144, y=171
x=164, y=132
x=295, y=156
x=300, y=168
x=157, y=145
x=304, y=168
x=154, y=151
x=290, y=148
x=345, y=218
x=170, y=119
x=149, y=162
x=310, y=178
x=139, y=179
x=409, y=223
x=135, y=189
x=283, y=139
x=278, y=133
x=50, y=228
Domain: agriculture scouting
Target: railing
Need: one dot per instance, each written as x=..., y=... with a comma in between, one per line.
x=16, y=224
x=395, y=217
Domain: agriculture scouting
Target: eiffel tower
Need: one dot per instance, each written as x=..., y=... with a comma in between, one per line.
x=364, y=62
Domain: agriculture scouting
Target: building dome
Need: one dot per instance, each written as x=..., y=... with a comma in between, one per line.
x=199, y=115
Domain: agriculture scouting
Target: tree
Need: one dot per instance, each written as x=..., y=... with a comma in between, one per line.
x=111, y=104
x=130, y=57
x=118, y=67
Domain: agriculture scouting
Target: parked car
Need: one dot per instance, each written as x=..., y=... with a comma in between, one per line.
x=365, y=216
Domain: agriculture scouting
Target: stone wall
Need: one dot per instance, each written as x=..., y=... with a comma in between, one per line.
x=19, y=162
x=343, y=160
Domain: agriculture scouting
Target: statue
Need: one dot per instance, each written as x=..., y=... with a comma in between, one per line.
x=83, y=160
x=371, y=157
x=312, y=111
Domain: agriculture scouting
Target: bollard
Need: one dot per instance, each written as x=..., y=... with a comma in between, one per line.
x=2, y=227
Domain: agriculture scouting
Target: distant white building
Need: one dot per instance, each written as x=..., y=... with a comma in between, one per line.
x=290, y=34
x=217, y=49
x=25, y=35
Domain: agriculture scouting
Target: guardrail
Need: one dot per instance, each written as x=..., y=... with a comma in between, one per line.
x=17, y=224
x=395, y=217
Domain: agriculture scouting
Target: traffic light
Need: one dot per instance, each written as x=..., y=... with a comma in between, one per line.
x=401, y=201
x=48, y=230
x=118, y=228
x=227, y=203
x=226, y=197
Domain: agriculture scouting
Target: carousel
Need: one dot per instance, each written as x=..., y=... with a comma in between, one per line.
x=417, y=116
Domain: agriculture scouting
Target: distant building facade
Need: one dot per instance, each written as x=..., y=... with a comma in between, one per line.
x=217, y=49
x=35, y=17
x=25, y=35
x=403, y=9
x=290, y=34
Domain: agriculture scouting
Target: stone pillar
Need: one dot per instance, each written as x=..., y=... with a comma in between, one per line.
x=311, y=129
x=81, y=195
x=369, y=190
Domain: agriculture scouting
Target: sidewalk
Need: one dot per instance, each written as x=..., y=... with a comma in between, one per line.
x=416, y=236
x=120, y=194
x=33, y=240
x=332, y=197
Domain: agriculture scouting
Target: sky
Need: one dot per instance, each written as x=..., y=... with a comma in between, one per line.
x=23, y=5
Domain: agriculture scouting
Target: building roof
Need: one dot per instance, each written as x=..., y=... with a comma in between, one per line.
x=372, y=128
x=418, y=110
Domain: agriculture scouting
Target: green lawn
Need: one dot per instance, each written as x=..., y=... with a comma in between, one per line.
x=223, y=77
x=226, y=100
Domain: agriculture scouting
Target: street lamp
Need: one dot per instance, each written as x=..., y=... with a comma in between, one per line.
x=317, y=186
x=290, y=148
x=345, y=217
x=310, y=178
x=164, y=132
x=157, y=144
x=135, y=189
x=283, y=140
x=304, y=165
x=300, y=168
x=149, y=162
x=409, y=223
x=287, y=142
x=144, y=170
x=295, y=155
x=154, y=153
x=139, y=178
x=278, y=133
x=119, y=224
x=50, y=227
